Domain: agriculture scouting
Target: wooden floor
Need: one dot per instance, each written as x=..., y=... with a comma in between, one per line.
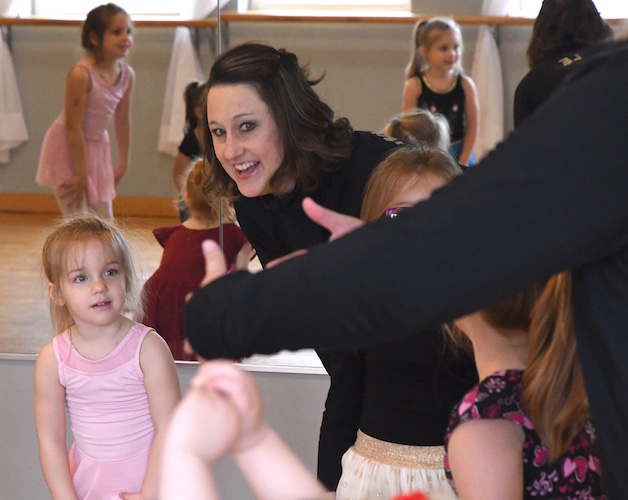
x=24, y=318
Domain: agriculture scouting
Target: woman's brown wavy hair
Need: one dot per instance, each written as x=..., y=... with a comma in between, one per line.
x=312, y=139
x=563, y=25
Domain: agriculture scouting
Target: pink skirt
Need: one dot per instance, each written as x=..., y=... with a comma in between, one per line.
x=55, y=166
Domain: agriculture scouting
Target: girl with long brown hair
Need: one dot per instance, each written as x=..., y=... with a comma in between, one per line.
x=524, y=434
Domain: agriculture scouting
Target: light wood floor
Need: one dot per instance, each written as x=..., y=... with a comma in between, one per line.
x=24, y=318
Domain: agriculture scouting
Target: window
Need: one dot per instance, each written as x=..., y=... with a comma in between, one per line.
x=172, y=8
x=330, y=5
x=82, y=7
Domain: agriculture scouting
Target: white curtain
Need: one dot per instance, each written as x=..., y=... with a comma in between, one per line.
x=184, y=67
x=12, y=125
x=487, y=75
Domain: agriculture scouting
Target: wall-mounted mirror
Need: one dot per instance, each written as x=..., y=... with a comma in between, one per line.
x=359, y=59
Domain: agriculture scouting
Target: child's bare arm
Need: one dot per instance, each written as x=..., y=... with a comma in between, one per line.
x=77, y=86
x=411, y=94
x=485, y=460
x=50, y=426
x=272, y=470
x=472, y=120
x=203, y=429
x=122, y=127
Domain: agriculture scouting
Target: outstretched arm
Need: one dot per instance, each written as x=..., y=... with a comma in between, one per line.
x=480, y=239
x=336, y=223
x=224, y=397
x=202, y=430
x=271, y=469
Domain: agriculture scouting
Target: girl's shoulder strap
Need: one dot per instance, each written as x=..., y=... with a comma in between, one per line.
x=84, y=64
x=139, y=331
x=62, y=346
x=126, y=73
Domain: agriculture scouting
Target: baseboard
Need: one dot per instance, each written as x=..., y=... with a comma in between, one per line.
x=135, y=206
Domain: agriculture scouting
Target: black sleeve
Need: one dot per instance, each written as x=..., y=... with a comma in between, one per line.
x=341, y=418
x=189, y=145
x=552, y=197
x=520, y=107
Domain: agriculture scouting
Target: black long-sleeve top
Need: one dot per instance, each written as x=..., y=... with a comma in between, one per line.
x=276, y=226
x=553, y=196
x=410, y=387
x=539, y=83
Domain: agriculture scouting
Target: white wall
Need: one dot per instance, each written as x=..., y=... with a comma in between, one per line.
x=294, y=405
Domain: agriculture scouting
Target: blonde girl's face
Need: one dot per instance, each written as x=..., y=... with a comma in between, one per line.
x=93, y=285
x=118, y=37
x=443, y=53
x=245, y=136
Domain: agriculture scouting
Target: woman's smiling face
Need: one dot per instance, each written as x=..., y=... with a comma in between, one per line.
x=245, y=136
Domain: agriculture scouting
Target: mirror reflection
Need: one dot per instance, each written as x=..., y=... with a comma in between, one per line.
x=148, y=183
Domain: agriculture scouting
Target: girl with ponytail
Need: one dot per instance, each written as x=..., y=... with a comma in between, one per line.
x=524, y=434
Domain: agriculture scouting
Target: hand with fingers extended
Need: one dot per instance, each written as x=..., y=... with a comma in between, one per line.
x=215, y=263
x=336, y=223
x=244, y=256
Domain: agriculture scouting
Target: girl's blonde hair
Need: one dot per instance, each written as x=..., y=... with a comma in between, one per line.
x=424, y=34
x=405, y=166
x=554, y=395
x=419, y=125
x=79, y=230
x=202, y=206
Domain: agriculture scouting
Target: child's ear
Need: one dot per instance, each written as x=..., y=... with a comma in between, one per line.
x=93, y=38
x=55, y=294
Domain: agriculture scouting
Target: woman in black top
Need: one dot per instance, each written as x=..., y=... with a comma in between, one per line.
x=549, y=198
x=270, y=141
x=561, y=31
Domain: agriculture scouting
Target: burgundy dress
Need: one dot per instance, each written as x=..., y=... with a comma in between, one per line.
x=180, y=271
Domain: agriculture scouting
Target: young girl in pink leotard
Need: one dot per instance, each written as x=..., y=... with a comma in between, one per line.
x=115, y=377
x=75, y=159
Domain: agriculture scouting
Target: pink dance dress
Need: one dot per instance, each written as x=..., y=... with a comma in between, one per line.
x=55, y=166
x=109, y=417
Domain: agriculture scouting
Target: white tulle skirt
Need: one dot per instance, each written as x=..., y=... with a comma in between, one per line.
x=375, y=469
